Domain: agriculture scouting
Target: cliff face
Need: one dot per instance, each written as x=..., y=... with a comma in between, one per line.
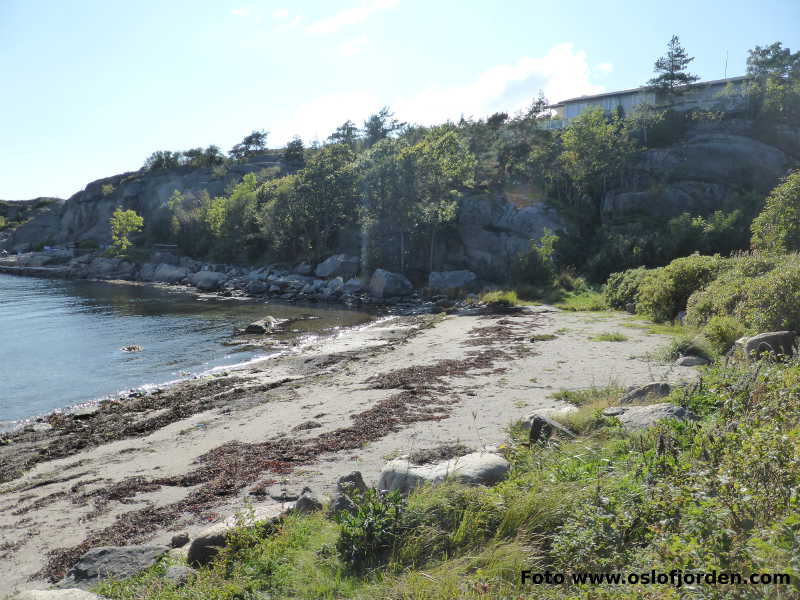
x=86, y=214
x=706, y=170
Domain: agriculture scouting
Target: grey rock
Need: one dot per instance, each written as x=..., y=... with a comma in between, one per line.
x=614, y=411
x=168, y=273
x=541, y=428
x=346, y=486
x=641, y=417
x=257, y=287
x=446, y=280
x=303, y=269
x=338, y=265
x=477, y=468
x=179, y=574
x=351, y=481
x=335, y=286
x=650, y=391
x=384, y=284
x=208, y=281
x=274, y=289
x=630, y=307
x=691, y=361
x=179, y=540
x=353, y=286
x=111, y=562
x=307, y=502
x=781, y=343
x=261, y=326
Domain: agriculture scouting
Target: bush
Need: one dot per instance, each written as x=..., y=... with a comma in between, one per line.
x=621, y=288
x=722, y=332
x=368, y=535
x=536, y=266
x=777, y=227
x=761, y=293
x=663, y=292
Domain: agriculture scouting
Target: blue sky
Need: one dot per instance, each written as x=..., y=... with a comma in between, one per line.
x=91, y=87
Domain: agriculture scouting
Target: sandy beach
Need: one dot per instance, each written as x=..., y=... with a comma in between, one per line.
x=177, y=460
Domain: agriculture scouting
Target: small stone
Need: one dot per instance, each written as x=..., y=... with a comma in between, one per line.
x=307, y=425
x=179, y=574
x=691, y=361
x=179, y=540
x=307, y=502
x=646, y=392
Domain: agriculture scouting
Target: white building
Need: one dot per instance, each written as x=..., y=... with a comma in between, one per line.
x=720, y=94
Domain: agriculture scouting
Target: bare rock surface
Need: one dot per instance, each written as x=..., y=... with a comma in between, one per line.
x=111, y=562
x=477, y=468
x=641, y=417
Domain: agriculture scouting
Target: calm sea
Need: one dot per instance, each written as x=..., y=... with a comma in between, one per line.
x=60, y=341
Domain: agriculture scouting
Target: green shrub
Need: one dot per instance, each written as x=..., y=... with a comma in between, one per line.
x=722, y=332
x=762, y=293
x=686, y=346
x=663, y=292
x=621, y=288
x=777, y=227
x=537, y=266
x=369, y=534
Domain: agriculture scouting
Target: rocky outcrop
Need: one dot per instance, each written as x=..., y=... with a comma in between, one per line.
x=704, y=172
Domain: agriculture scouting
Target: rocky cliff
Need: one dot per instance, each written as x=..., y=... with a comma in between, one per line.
x=706, y=170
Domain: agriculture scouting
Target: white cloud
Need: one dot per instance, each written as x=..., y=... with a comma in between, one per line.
x=605, y=67
x=561, y=73
x=350, y=16
x=281, y=14
x=288, y=25
x=353, y=47
x=240, y=12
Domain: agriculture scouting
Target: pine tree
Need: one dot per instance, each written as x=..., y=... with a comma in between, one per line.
x=672, y=76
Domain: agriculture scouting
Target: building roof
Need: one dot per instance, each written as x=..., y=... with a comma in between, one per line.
x=643, y=88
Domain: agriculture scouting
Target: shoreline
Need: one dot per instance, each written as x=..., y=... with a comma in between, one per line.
x=142, y=470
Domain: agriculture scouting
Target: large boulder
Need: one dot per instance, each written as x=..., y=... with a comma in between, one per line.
x=338, y=265
x=641, y=417
x=445, y=280
x=346, y=486
x=775, y=342
x=169, y=273
x=353, y=286
x=110, y=268
x=477, y=468
x=208, y=281
x=261, y=326
x=116, y=562
x=650, y=391
x=384, y=284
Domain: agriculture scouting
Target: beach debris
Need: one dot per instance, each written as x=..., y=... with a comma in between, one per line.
x=307, y=425
x=131, y=348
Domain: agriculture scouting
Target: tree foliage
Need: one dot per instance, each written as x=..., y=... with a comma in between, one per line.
x=774, y=87
x=123, y=223
x=671, y=69
x=777, y=227
x=253, y=143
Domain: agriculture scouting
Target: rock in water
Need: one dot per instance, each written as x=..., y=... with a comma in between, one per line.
x=111, y=562
x=478, y=468
x=262, y=326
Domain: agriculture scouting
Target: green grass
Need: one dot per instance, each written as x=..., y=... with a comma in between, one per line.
x=506, y=297
x=609, y=336
x=718, y=493
x=589, y=300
